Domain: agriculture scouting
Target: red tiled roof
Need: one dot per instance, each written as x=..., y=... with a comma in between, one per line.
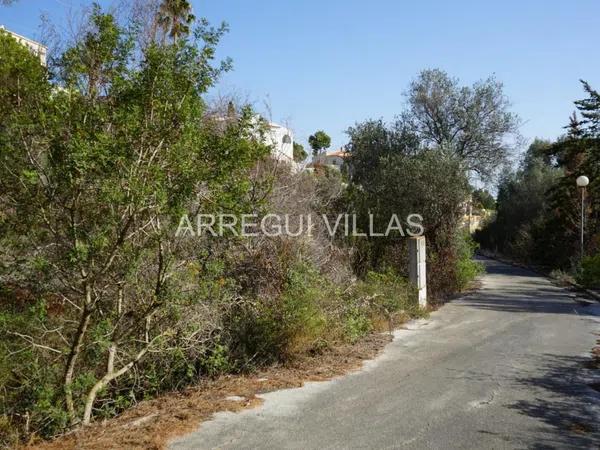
x=341, y=153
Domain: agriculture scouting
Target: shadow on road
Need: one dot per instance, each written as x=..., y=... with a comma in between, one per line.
x=542, y=302
x=531, y=293
x=493, y=267
x=563, y=401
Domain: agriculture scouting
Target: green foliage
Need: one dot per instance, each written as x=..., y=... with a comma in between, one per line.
x=175, y=18
x=294, y=322
x=216, y=362
x=589, y=272
x=379, y=302
x=313, y=313
x=96, y=167
x=387, y=291
x=100, y=157
x=539, y=207
x=482, y=199
x=522, y=203
x=473, y=123
x=372, y=141
x=319, y=142
x=393, y=174
x=299, y=152
x=467, y=269
x=9, y=434
x=29, y=383
x=356, y=324
x=302, y=319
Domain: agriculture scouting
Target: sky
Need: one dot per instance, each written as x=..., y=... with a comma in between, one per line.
x=327, y=64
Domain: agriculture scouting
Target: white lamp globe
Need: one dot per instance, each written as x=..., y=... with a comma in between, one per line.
x=583, y=181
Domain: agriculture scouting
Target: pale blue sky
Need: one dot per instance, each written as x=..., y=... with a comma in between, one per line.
x=329, y=63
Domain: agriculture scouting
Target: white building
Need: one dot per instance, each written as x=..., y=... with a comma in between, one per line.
x=282, y=140
x=278, y=137
x=35, y=47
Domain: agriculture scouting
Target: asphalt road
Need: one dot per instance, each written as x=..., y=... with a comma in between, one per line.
x=500, y=368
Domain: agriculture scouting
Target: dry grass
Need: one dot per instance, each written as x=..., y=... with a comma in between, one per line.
x=151, y=424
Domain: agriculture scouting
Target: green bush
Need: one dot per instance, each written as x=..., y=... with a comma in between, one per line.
x=356, y=324
x=378, y=302
x=589, y=273
x=28, y=379
x=274, y=327
x=312, y=313
x=467, y=269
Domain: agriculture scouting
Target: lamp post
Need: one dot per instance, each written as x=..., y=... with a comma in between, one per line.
x=582, y=182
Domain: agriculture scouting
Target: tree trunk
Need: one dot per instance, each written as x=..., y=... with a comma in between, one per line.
x=107, y=378
x=84, y=321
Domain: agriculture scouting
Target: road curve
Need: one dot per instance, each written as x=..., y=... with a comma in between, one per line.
x=500, y=368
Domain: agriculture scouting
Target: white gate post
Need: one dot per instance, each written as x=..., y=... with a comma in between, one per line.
x=416, y=267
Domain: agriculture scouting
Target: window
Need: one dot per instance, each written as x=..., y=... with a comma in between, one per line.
x=287, y=139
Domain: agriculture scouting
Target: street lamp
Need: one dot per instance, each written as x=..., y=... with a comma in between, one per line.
x=582, y=182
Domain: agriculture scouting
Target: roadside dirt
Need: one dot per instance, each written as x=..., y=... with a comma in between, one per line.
x=151, y=424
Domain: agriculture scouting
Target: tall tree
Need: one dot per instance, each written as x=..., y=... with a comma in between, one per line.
x=372, y=141
x=392, y=173
x=577, y=153
x=94, y=177
x=175, y=17
x=472, y=122
x=299, y=152
x=319, y=142
x=590, y=110
x=522, y=205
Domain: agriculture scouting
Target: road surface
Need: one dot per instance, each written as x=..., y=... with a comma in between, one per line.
x=500, y=368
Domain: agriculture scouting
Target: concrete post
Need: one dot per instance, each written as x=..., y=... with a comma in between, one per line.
x=416, y=267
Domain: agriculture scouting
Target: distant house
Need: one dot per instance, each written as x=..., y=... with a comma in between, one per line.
x=474, y=219
x=35, y=47
x=334, y=160
x=278, y=137
x=282, y=141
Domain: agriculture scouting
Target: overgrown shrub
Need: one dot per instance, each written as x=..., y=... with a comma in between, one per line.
x=467, y=269
x=118, y=145
x=313, y=313
x=272, y=328
x=379, y=302
x=589, y=272
x=450, y=264
x=393, y=172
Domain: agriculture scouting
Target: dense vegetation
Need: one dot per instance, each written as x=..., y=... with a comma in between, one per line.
x=392, y=173
x=421, y=163
x=103, y=305
x=539, y=205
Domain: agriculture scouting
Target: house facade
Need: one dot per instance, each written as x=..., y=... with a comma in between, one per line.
x=334, y=160
x=281, y=139
x=36, y=48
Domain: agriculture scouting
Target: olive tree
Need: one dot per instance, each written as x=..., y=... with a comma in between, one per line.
x=473, y=123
